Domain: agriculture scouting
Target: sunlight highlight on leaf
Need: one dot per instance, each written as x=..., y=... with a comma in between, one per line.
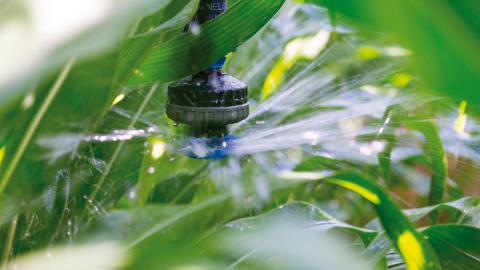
x=461, y=120
x=105, y=255
x=412, y=251
x=158, y=147
x=306, y=48
x=368, y=53
x=2, y=154
x=292, y=175
x=397, y=52
x=401, y=80
x=118, y=99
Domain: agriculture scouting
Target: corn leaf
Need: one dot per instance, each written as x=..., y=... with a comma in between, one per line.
x=190, y=52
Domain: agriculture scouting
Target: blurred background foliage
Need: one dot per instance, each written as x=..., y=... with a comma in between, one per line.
x=363, y=140
x=444, y=36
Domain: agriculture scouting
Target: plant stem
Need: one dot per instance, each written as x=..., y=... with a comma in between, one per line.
x=9, y=242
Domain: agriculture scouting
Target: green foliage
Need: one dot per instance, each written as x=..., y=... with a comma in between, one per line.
x=416, y=252
x=449, y=243
x=444, y=35
x=340, y=168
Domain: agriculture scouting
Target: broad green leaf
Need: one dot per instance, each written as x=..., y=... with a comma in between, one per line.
x=166, y=181
x=466, y=207
x=133, y=227
x=192, y=52
x=410, y=244
x=457, y=245
x=465, y=210
x=156, y=21
x=416, y=252
x=303, y=214
x=380, y=246
x=173, y=233
x=176, y=245
x=135, y=49
x=377, y=250
x=285, y=244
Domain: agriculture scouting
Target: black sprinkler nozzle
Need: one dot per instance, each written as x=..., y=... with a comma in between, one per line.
x=210, y=100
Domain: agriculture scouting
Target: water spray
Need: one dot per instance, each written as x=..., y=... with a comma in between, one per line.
x=210, y=100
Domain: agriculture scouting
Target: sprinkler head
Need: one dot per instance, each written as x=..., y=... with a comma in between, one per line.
x=210, y=100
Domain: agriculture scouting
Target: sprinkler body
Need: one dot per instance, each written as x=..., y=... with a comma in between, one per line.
x=210, y=100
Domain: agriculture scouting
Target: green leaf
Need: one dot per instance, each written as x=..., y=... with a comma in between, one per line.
x=133, y=227
x=466, y=210
x=466, y=207
x=284, y=244
x=171, y=9
x=457, y=245
x=303, y=214
x=437, y=157
x=417, y=253
x=190, y=53
x=136, y=49
x=392, y=119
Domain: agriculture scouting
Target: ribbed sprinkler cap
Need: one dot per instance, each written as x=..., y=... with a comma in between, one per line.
x=210, y=99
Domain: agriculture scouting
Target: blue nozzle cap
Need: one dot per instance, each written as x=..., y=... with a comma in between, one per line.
x=219, y=64
x=210, y=148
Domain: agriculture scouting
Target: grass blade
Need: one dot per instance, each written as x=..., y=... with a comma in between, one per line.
x=5, y=179
x=438, y=160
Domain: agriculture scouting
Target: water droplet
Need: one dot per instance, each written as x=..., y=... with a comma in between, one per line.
x=195, y=28
x=28, y=101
